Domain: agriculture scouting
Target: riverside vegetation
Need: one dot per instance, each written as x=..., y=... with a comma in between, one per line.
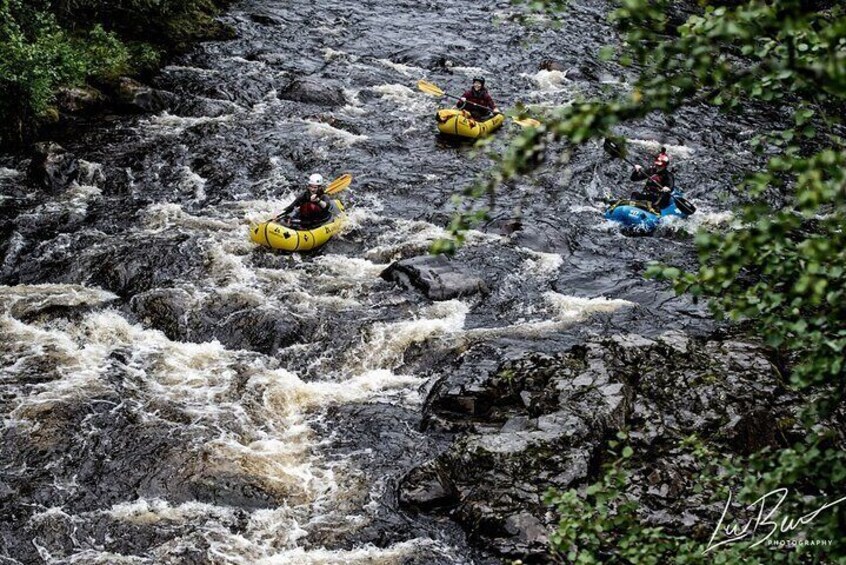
x=778, y=274
x=50, y=45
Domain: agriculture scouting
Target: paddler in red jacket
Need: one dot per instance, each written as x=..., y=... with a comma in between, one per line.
x=477, y=101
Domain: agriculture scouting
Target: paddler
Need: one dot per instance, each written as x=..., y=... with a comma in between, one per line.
x=659, y=181
x=312, y=208
x=477, y=100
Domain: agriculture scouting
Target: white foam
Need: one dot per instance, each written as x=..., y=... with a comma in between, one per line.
x=190, y=69
x=161, y=217
x=348, y=272
x=470, y=72
x=80, y=195
x=406, y=70
x=193, y=183
x=573, y=308
x=407, y=236
x=395, y=92
x=142, y=512
x=679, y=151
x=334, y=136
x=95, y=557
x=549, y=81
x=330, y=54
x=703, y=218
x=386, y=343
x=41, y=296
x=541, y=264
x=585, y=209
x=90, y=173
x=168, y=124
x=563, y=311
x=365, y=555
x=9, y=173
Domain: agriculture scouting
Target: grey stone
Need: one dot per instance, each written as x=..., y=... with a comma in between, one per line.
x=311, y=91
x=52, y=168
x=434, y=275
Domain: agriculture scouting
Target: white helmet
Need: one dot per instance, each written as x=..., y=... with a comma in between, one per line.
x=316, y=179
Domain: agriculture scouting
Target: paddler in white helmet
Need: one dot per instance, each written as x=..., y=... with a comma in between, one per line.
x=313, y=207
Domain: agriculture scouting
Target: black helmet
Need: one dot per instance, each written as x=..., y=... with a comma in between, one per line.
x=480, y=79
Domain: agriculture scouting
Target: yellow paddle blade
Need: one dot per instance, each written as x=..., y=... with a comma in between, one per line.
x=429, y=88
x=339, y=184
x=527, y=122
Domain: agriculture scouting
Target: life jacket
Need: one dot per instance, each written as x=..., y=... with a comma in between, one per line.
x=311, y=210
x=480, y=98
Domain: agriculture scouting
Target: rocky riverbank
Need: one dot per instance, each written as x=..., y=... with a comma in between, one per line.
x=530, y=421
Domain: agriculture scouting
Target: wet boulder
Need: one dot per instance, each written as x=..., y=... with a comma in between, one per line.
x=427, y=487
x=312, y=91
x=79, y=99
x=551, y=65
x=52, y=167
x=267, y=19
x=235, y=320
x=134, y=96
x=529, y=421
x=436, y=276
x=164, y=309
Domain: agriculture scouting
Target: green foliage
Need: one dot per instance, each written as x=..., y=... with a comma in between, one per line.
x=604, y=523
x=46, y=45
x=784, y=269
x=37, y=56
x=781, y=271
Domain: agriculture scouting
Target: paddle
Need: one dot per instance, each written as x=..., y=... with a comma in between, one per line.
x=337, y=186
x=616, y=151
x=340, y=184
x=434, y=90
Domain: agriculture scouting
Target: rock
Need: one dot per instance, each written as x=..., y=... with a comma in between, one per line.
x=550, y=65
x=52, y=168
x=164, y=309
x=79, y=99
x=135, y=96
x=312, y=91
x=752, y=431
x=529, y=421
x=526, y=528
x=435, y=276
x=267, y=19
x=424, y=488
x=232, y=319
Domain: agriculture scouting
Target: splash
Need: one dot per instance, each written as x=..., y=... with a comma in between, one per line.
x=170, y=125
x=541, y=264
x=23, y=300
x=549, y=81
x=334, y=136
x=387, y=343
x=652, y=146
x=405, y=70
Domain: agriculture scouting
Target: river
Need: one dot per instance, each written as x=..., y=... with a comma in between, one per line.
x=171, y=393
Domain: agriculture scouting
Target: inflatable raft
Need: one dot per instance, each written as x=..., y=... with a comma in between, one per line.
x=461, y=123
x=641, y=217
x=290, y=238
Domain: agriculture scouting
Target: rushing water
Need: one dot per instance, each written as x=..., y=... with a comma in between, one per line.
x=172, y=394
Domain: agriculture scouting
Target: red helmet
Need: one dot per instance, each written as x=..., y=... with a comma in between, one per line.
x=662, y=159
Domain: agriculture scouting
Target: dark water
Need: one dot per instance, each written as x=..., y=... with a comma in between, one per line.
x=172, y=394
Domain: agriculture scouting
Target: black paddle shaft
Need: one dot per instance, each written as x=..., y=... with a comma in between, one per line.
x=471, y=103
x=617, y=152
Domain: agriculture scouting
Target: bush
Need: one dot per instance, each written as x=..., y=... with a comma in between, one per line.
x=48, y=45
x=782, y=272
